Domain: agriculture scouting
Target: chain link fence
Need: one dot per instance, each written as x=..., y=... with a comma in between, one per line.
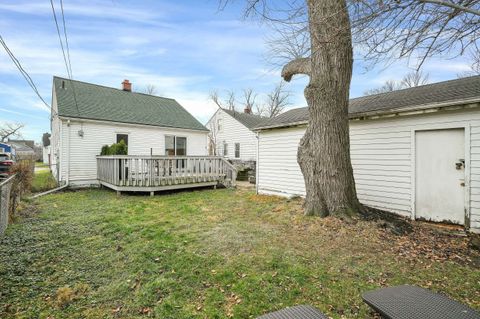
x=5, y=191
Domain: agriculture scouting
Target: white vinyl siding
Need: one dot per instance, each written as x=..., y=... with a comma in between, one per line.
x=141, y=141
x=232, y=131
x=55, y=140
x=381, y=152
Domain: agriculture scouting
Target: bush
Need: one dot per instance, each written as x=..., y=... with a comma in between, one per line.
x=22, y=184
x=119, y=148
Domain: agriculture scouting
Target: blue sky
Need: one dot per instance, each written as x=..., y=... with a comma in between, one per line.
x=185, y=49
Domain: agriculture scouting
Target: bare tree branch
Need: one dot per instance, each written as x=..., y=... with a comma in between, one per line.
x=453, y=5
x=276, y=101
x=410, y=80
x=414, y=79
x=297, y=66
x=9, y=130
x=150, y=89
x=228, y=103
x=249, y=97
x=215, y=98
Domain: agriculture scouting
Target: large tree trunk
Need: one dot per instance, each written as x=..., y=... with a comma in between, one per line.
x=324, y=150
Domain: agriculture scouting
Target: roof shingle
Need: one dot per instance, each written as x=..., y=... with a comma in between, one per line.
x=98, y=102
x=453, y=91
x=249, y=120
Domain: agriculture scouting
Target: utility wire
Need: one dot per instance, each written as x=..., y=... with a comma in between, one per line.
x=66, y=56
x=66, y=39
x=24, y=73
x=60, y=38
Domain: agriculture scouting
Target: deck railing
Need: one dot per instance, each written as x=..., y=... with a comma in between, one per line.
x=157, y=171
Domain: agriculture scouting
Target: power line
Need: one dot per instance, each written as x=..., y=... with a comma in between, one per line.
x=66, y=39
x=24, y=73
x=60, y=38
x=66, y=56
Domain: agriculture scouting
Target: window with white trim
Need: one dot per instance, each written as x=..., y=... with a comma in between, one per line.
x=225, y=149
x=175, y=145
x=237, y=150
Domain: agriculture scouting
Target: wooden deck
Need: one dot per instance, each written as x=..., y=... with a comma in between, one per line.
x=158, y=173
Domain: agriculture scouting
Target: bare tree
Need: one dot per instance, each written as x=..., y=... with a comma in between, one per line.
x=414, y=79
x=9, y=130
x=228, y=103
x=150, y=89
x=388, y=86
x=474, y=67
x=215, y=98
x=276, y=101
x=249, y=97
x=410, y=80
x=212, y=137
x=386, y=30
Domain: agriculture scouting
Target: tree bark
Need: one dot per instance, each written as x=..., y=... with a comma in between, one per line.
x=324, y=150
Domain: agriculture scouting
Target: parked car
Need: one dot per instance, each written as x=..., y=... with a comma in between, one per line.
x=6, y=163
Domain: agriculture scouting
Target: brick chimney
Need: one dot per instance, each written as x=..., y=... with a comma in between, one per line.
x=127, y=86
x=247, y=110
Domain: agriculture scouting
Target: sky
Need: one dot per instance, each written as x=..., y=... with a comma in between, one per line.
x=186, y=49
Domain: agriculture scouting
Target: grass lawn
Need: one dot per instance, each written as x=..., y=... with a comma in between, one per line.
x=40, y=164
x=212, y=254
x=43, y=180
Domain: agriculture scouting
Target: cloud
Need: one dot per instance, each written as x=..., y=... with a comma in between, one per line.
x=94, y=9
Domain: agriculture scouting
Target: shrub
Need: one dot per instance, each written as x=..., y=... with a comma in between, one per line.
x=22, y=184
x=119, y=148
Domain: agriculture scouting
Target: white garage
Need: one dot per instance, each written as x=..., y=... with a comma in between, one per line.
x=415, y=152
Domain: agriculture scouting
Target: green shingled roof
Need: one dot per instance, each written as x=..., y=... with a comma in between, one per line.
x=98, y=102
x=248, y=120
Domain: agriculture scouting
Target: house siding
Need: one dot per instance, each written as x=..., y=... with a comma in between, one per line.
x=55, y=141
x=382, y=153
x=234, y=132
x=80, y=152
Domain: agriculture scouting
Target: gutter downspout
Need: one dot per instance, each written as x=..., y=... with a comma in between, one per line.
x=68, y=169
x=68, y=154
x=257, y=169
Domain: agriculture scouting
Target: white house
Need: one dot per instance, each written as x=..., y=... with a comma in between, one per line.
x=415, y=152
x=87, y=116
x=232, y=136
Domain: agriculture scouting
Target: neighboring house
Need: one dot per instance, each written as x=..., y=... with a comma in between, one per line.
x=29, y=143
x=22, y=150
x=46, y=148
x=231, y=135
x=415, y=152
x=87, y=116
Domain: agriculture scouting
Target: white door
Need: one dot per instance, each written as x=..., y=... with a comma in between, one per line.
x=440, y=175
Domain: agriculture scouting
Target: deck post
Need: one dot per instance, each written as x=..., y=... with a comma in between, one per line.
x=119, y=193
x=152, y=194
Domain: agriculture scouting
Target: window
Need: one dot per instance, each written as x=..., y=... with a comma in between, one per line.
x=175, y=145
x=225, y=149
x=170, y=145
x=181, y=146
x=123, y=137
x=219, y=125
x=237, y=150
